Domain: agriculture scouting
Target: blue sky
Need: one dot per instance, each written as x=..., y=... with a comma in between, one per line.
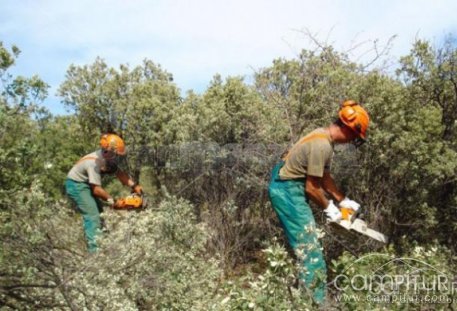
x=196, y=39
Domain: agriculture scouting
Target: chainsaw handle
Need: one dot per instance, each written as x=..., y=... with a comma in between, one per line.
x=137, y=189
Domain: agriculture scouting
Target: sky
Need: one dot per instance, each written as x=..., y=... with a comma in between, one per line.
x=196, y=39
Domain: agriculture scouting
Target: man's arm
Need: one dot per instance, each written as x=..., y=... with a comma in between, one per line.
x=127, y=181
x=329, y=186
x=124, y=178
x=95, y=181
x=314, y=191
x=99, y=192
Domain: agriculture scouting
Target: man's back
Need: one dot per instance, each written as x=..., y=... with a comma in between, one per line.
x=311, y=155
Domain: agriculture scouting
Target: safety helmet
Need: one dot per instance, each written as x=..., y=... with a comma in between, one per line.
x=354, y=117
x=112, y=142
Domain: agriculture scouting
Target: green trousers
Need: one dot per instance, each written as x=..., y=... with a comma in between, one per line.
x=90, y=208
x=291, y=205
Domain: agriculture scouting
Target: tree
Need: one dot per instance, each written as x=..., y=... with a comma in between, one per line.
x=232, y=112
x=19, y=101
x=60, y=143
x=308, y=89
x=137, y=104
x=430, y=77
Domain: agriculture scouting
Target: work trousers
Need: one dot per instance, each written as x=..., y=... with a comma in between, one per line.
x=90, y=209
x=289, y=201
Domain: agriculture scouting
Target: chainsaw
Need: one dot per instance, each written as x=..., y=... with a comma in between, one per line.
x=133, y=201
x=351, y=221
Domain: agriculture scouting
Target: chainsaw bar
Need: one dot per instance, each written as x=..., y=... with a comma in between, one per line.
x=359, y=226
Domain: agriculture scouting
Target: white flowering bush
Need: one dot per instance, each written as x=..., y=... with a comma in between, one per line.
x=158, y=256
x=421, y=278
x=43, y=246
x=149, y=260
x=276, y=288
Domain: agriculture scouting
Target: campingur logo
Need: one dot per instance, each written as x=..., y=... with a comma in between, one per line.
x=386, y=280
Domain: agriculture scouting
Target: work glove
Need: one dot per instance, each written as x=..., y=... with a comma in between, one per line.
x=137, y=189
x=348, y=203
x=332, y=212
x=110, y=201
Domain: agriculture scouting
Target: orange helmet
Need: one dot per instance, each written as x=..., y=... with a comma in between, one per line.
x=112, y=142
x=354, y=117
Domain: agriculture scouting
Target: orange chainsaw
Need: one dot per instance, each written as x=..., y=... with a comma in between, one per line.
x=133, y=201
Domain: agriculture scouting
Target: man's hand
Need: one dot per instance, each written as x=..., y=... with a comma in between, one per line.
x=348, y=203
x=110, y=201
x=137, y=189
x=332, y=212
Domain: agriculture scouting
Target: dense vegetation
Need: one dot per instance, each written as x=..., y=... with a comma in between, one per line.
x=209, y=239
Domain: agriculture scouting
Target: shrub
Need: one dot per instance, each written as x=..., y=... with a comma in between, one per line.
x=149, y=260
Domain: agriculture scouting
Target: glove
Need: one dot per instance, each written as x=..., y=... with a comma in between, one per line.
x=348, y=203
x=137, y=189
x=110, y=201
x=332, y=212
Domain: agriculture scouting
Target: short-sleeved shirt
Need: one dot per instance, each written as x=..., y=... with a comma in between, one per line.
x=89, y=169
x=311, y=155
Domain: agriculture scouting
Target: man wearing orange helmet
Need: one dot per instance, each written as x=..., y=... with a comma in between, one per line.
x=303, y=174
x=83, y=184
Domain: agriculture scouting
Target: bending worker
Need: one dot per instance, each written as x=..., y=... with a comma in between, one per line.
x=84, y=186
x=304, y=173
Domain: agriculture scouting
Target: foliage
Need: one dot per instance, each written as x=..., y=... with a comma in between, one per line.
x=430, y=77
x=153, y=260
x=415, y=280
x=305, y=91
x=138, y=104
x=232, y=112
x=60, y=143
x=273, y=289
x=19, y=103
x=203, y=247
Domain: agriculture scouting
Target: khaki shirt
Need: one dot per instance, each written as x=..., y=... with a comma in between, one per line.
x=90, y=168
x=311, y=155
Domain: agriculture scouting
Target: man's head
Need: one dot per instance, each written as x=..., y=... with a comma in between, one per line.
x=352, y=122
x=112, y=146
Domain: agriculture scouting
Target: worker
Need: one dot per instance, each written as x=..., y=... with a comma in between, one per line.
x=84, y=184
x=304, y=173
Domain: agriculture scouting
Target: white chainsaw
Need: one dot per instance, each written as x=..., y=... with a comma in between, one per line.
x=351, y=222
